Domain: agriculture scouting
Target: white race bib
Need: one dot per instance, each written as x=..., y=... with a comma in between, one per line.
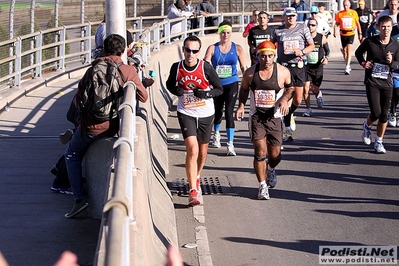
x=190, y=101
x=265, y=98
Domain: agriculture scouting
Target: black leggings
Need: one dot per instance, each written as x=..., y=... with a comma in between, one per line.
x=228, y=98
x=395, y=100
x=379, y=99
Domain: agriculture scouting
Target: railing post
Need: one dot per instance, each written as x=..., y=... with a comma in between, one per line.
x=62, y=48
x=18, y=64
x=39, y=54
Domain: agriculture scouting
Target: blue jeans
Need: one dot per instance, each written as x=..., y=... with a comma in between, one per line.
x=74, y=154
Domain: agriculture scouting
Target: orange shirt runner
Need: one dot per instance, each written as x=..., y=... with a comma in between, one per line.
x=347, y=21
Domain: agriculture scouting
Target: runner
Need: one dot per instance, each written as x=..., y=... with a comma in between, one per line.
x=259, y=34
x=191, y=80
x=224, y=56
x=314, y=67
x=294, y=43
x=270, y=87
x=382, y=56
x=346, y=22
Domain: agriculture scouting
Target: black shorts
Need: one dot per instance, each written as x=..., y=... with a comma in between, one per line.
x=298, y=76
x=201, y=127
x=261, y=127
x=314, y=74
x=345, y=40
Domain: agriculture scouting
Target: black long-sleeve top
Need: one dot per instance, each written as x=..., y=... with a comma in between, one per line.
x=376, y=53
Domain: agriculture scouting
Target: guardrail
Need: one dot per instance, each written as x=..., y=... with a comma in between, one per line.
x=119, y=208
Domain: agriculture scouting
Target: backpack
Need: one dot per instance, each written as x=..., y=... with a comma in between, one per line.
x=103, y=94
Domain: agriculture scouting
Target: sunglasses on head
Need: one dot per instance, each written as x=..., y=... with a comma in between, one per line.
x=312, y=25
x=188, y=50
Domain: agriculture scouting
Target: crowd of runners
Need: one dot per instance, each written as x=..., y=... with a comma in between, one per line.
x=287, y=64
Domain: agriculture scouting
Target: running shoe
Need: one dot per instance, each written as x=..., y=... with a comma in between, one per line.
x=293, y=125
x=392, y=120
x=66, y=136
x=319, y=100
x=366, y=135
x=77, y=208
x=288, y=136
x=308, y=112
x=348, y=70
x=230, y=150
x=379, y=147
x=194, y=197
x=216, y=141
x=271, y=178
x=263, y=193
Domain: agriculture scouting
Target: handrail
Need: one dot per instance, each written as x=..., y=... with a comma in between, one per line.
x=119, y=208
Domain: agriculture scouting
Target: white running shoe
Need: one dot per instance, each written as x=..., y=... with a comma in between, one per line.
x=271, y=178
x=293, y=125
x=379, y=147
x=230, y=149
x=348, y=70
x=308, y=112
x=319, y=100
x=216, y=141
x=263, y=193
x=392, y=120
x=366, y=135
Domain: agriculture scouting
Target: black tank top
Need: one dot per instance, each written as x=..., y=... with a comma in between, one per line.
x=271, y=84
x=318, y=51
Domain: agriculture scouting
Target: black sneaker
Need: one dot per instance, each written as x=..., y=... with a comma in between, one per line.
x=77, y=208
x=66, y=136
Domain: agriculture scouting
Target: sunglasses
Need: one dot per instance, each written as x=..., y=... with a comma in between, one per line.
x=313, y=13
x=312, y=25
x=188, y=50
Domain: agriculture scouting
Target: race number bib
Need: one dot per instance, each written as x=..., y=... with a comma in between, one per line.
x=380, y=71
x=313, y=57
x=290, y=46
x=347, y=23
x=265, y=98
x=224, y=71
x=190, y=101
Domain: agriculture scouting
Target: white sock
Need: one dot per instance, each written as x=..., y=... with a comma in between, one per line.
x=263, y=183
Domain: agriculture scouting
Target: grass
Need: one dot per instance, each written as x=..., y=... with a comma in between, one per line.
x=6, y=6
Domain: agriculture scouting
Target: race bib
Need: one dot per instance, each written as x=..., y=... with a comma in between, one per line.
x=380, y=71
x=290, y=46
x=224, y=71
x=265, y=98
x=347, y=23
x=190, y=101
x=313, y=57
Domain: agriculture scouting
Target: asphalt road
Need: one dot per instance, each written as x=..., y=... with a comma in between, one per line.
x=332, y=189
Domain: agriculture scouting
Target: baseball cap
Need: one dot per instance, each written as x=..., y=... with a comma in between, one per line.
x=289, y=11
x=314, y=9
x=361, y=2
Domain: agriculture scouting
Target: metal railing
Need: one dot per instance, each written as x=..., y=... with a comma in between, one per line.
x=119, y=208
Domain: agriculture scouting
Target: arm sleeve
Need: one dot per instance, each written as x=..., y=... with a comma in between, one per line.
x=326, y=48
x=171, y=83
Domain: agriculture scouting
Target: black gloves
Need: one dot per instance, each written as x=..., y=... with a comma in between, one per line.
x=177, y=91
x=202, y=94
